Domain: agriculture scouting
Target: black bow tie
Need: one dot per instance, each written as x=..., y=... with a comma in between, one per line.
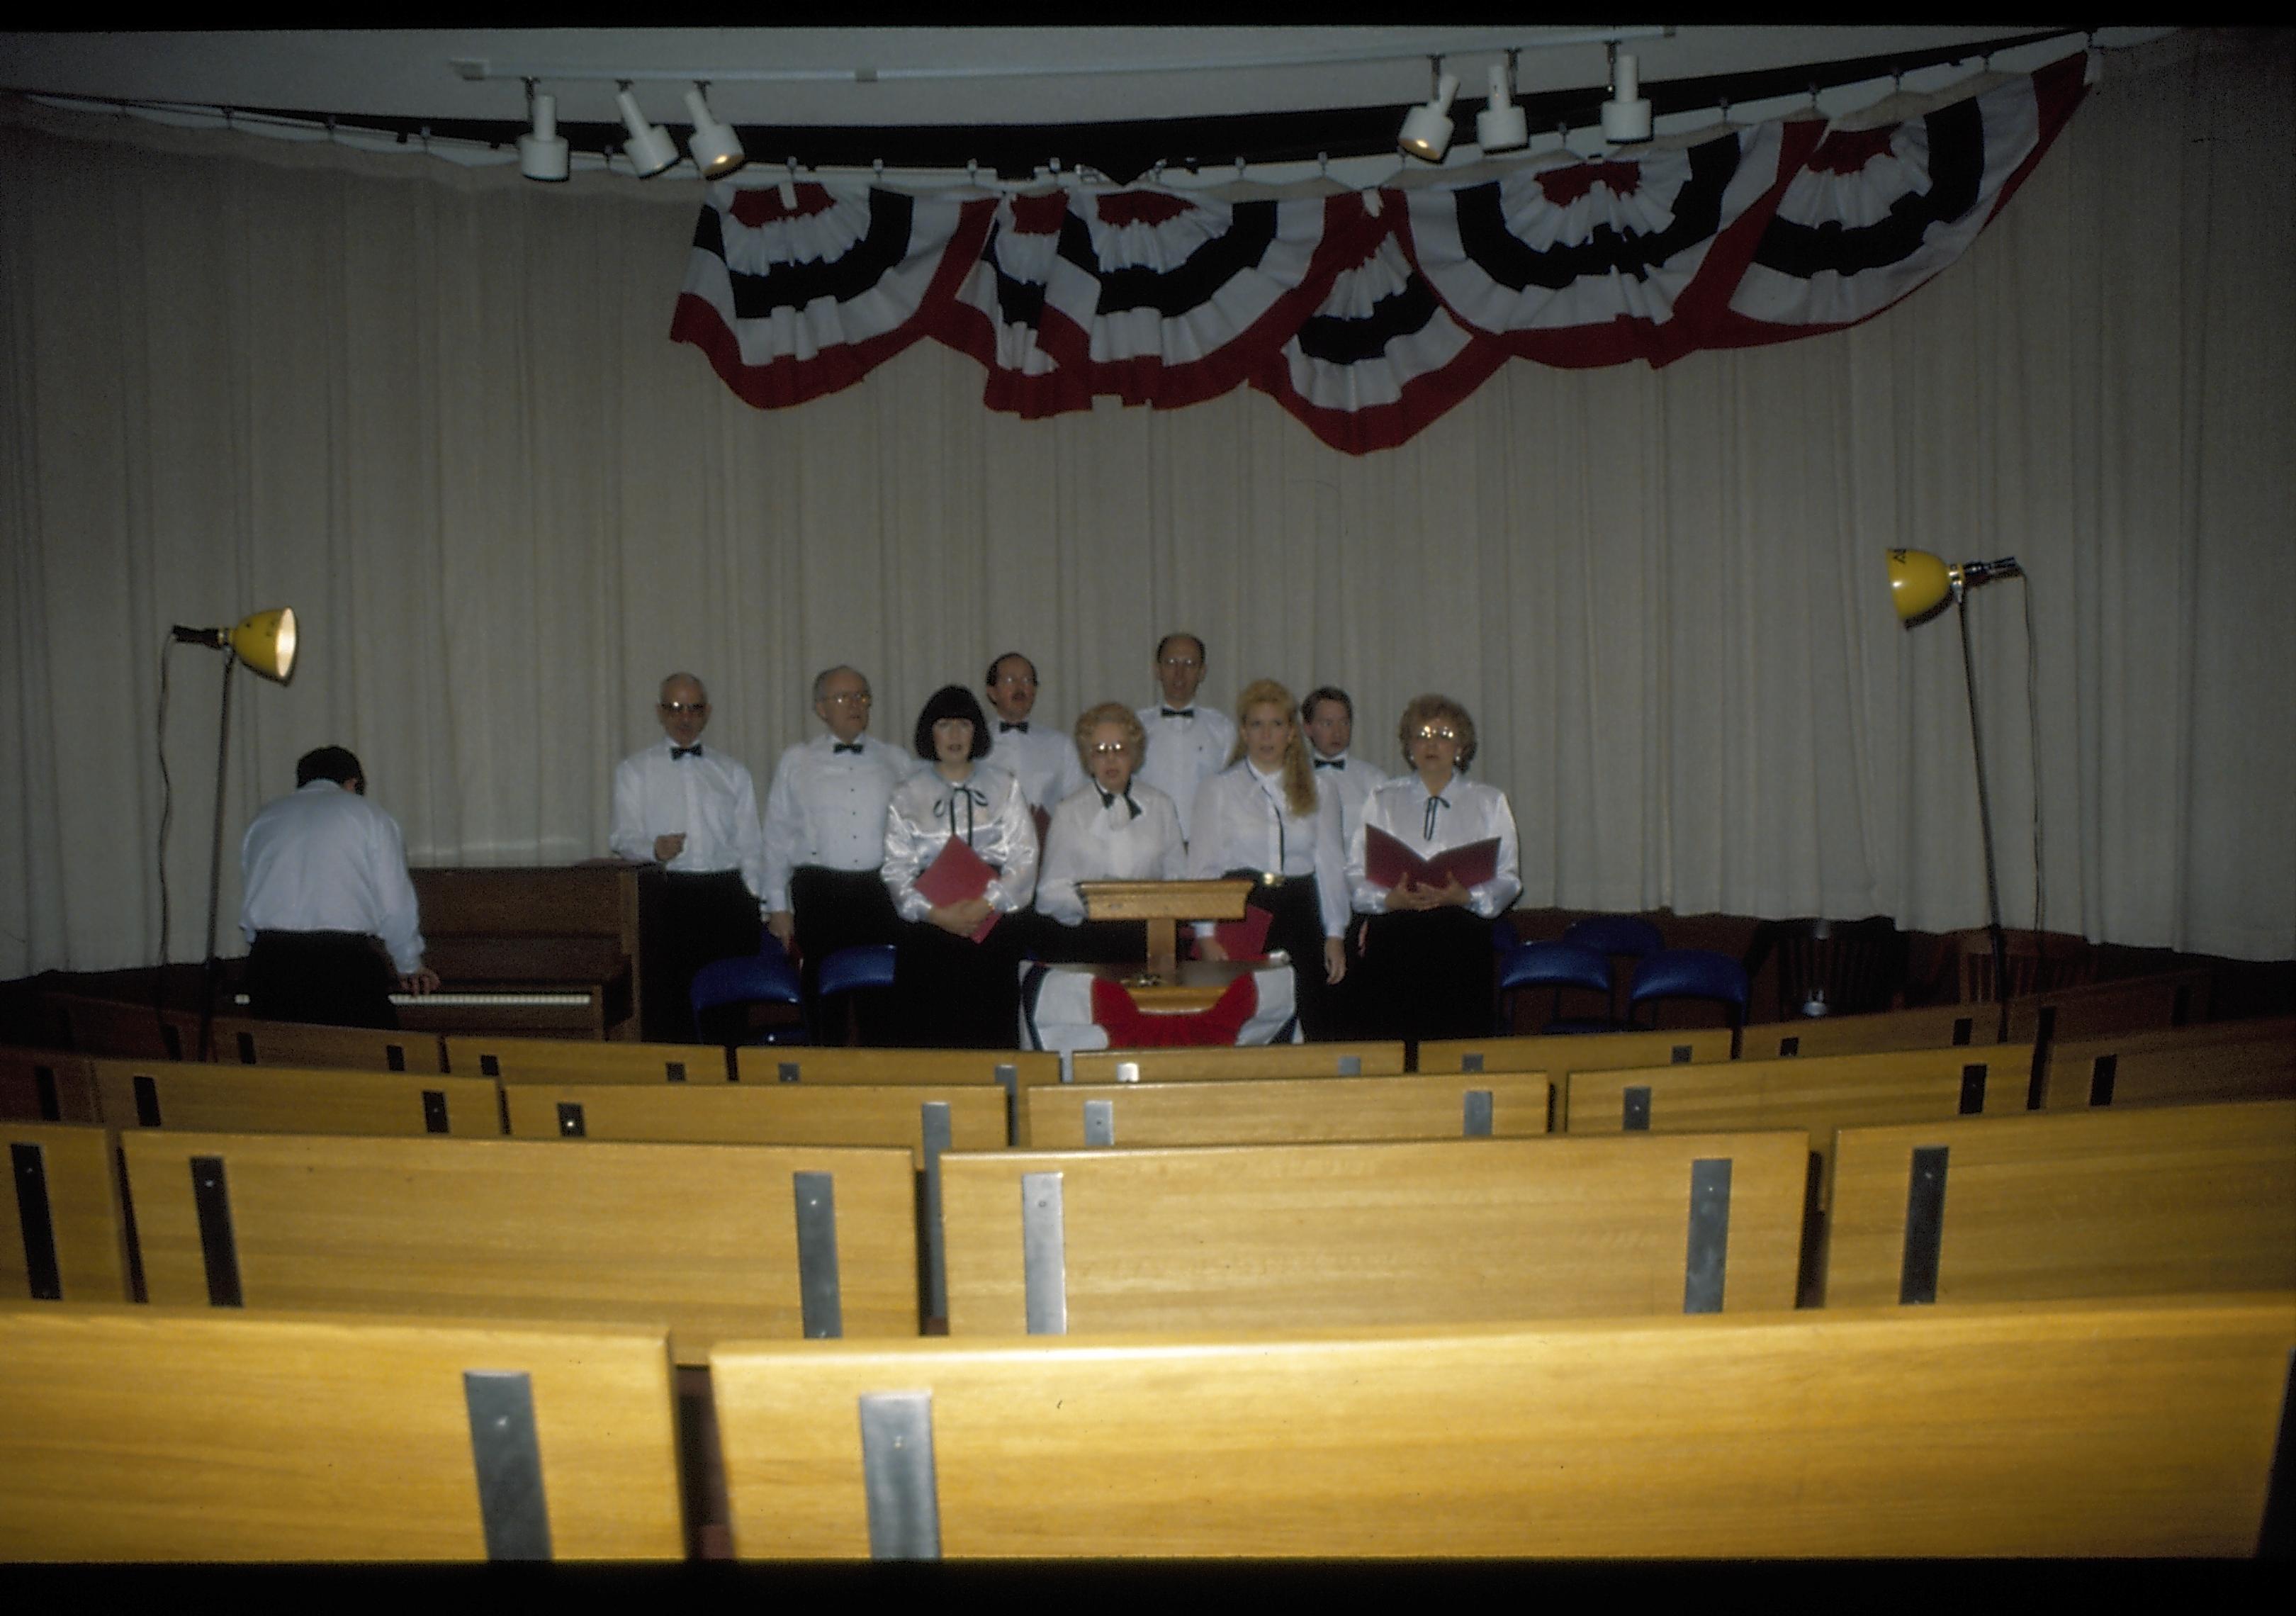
x=844, y=746
x=1108, y=800
x=1022, y=726
x=1178, y=712
x=676, y=752
x=1330, y=763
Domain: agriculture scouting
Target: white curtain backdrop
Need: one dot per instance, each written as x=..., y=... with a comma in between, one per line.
x=437, y=412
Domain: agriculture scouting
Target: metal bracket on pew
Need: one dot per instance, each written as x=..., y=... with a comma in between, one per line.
x=1709, y=1258
x=43, y=1079
x=897, y=1473
x=1636, y=1110
x=1972, y=1088
x=508, y=1462
x=2102, y=1072
x=1099, y=1122
x=933, y=1120
x=1918, y=1278
x=1472, y=1061
x=147, y=1100
x=1044, y=1253
x=211, y=1196
x=1351, y=1066
x=1475, y=1118
x=1008, y=1078
x=789, y=1071
x=434, y=1111
x=571, y=1123
x=819, y=1297
x=36, y=1219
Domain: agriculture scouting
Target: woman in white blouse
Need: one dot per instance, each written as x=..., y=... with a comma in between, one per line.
x=955, y=990
x=1266, y=816
x=1427, y=961
x=1117, y=828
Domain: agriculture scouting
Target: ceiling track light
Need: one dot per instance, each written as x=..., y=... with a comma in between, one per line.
x=1627, y=115
x=1501, y=125
x=650, y=147
x=1426, y=132
x=716, y=149
x=542, y=155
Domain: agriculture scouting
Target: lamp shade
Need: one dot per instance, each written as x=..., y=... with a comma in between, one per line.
x=1427, y=128
x=266, y=642
x=1919, y=583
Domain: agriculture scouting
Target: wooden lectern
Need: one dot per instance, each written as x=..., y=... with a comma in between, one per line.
x=1163, y=983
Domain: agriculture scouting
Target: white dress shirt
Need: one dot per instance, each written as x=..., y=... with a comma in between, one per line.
x=827, y=808
x=1243, y=823
x=986, y=810
x=1471, y=812
x=706, y=796
x=1091, y=839
x=1042, y=758
x=326, y=860
x=1182, y=754
x=1354, y=779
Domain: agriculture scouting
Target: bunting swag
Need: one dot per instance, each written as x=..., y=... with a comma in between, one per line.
x=1366, y=316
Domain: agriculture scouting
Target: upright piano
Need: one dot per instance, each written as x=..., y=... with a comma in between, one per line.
x=550, y=952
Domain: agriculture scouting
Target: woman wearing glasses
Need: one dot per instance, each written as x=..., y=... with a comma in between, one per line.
x=1117, y=828
x=1427, y=955
x=958, y=987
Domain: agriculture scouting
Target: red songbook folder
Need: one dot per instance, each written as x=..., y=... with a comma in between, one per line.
x=957, y=873
x=1245, y=939
x=1388, y=862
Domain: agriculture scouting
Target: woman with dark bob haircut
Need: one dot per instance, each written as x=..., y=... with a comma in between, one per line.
x=957, y=986
x=1427, y=947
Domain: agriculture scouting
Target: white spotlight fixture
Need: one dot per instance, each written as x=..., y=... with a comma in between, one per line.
x=1426, y=129
x=650, y=147
x=1501, y=125
x=1627, y=115
x=716, y=149
x=541, y=155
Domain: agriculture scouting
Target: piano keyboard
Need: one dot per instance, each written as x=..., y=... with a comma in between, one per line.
x=492, y=1001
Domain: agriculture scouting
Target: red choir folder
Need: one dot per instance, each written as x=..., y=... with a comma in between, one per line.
x=1387, y=862
x=1245, y=939
x=957, y=873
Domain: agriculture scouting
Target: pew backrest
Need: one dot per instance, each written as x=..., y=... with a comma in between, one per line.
x=1580, y=1051
x=1924, y=1027
x=1289, y=1111
x=2211, y=1060
x=246, y=1041
x=2106, y=1202
x=153, y=1434
x=1196, y=1064
x=713, y=1239
x=1281, y=1235
x=2169, y=998
x=212, y=1098
x=916, y=1119
x=2077, y=1429
x=1009, y=1069
x=510, y=1058
x=90, y=1025
x=46, y=1085
x=62, y=1235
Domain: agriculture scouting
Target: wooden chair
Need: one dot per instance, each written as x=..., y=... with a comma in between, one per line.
x=64, y=1237
x=1289, y=1110
x=1289, y=1236
x=713, y=1239
x=158, y=1434
x=2036, y=962
x=2078, y=1428
x=2107, y=1203
x=292, y=1100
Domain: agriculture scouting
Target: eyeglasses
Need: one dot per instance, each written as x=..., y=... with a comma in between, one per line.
x=850, y=698
x=1111, y=749
x=1182, y=662
x=678, y=710
x=1428, y=732
x=1016, y=678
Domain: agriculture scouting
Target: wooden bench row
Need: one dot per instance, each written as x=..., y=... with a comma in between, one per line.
x=2128, y=1428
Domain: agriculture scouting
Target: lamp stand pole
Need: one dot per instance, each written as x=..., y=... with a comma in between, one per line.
x=1984, y=823
x=211, y=972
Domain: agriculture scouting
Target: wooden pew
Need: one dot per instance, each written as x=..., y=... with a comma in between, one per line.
x=158, y=1434
x=1196, y=1064
x=2079, y=1429
x=2094, y=1010
x=713, y=1240
x=1924, y=1027
x=62, y=1238
x=1282, y=1236
x=971, y=1116
x=2211, y=1060
x=1012, y=1068
x=2107, y=1203
x=519, y=1060
x=1289, y=1111
x=246, y=1041
x=1582, y=1052
x=112, y=1027
x=46, y=1085
x=292, y=1100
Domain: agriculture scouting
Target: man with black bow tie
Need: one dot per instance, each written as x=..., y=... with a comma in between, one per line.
x=1040, y=756
x=825, y=833
x=693, y=810
x=1329, y=718
x=1187, y=742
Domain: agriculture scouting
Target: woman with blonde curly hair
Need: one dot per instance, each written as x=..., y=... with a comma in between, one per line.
x=1265, y=817
x=1426, y=951
x=1116, y=828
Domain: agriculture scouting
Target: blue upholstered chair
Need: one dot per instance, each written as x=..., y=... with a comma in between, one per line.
x=1691, y=974
x=764, y=978
x=1555, y=965
x=851, y=970
x=1618, y=938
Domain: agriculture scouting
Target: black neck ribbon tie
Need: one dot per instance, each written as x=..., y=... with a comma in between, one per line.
x=1108, y=800
x=946, y=809
x=1432, y=804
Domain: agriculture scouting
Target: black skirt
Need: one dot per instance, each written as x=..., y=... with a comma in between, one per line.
x=1426, y=973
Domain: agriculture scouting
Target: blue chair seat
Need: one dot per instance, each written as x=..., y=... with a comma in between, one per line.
x=1691, y=974
x=863, y=966
x=1556, y=965
x=764, y=978
x=1607, y=934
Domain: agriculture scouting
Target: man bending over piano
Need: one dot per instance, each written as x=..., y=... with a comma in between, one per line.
x=693, y=810
x=326, y=903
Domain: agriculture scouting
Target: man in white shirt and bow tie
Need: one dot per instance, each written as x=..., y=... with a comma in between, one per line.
x=1187, y=742
x=1042, y=756
x=1329, y=718
x=693, y=810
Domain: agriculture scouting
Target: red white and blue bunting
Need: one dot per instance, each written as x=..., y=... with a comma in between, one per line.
x=1367, y=316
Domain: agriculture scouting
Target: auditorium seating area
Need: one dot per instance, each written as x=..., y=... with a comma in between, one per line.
x=1903, y=1289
